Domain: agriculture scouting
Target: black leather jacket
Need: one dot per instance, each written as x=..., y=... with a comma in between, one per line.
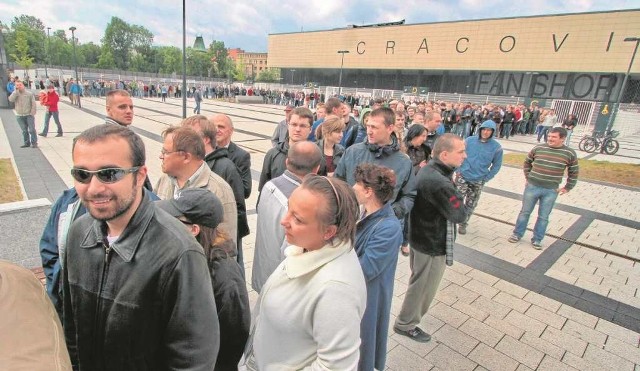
x=437, y=201
x=142, y=303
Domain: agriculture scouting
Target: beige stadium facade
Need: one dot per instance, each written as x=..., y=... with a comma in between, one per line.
x=569, y=56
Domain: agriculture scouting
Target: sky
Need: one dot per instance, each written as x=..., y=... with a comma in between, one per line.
x=247, y=24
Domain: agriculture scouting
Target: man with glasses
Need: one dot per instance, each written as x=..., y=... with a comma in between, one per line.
x=183, y=165
x=274, y=163
x=136, y=286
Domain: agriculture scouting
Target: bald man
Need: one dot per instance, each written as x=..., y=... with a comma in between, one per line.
x=239, y=156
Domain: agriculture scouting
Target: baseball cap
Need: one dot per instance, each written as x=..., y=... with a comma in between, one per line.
x=288, y=108
x=198, y=205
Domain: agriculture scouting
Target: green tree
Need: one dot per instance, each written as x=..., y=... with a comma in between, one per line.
x=238, y=71
x=106, y=60
x=21, y=56
x=90, y=53
x=122, y=40
x=269, y=75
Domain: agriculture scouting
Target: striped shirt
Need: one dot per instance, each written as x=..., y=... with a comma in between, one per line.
x=545, y=166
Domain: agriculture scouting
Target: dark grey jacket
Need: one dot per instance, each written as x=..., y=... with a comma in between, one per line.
x=144, y=302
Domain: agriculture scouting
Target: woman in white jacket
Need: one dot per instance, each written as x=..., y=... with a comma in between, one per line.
x=309, y=311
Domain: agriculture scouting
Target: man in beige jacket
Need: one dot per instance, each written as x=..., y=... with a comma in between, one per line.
x=25, y=114
x=183, y=166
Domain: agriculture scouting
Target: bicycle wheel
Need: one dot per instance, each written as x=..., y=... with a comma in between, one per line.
x=581, y=143
x=611, y=146
x=590, y=145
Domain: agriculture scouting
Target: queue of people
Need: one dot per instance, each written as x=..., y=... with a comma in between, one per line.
x=152, y=277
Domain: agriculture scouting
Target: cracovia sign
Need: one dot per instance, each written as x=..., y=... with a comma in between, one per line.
x=506, y=44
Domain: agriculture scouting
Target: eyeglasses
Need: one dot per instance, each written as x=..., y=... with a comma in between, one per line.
x=164, y=152
x=107, y=176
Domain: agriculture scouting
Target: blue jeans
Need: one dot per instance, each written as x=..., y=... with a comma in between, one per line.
x=28, y=127
x=506, y=129
x=532, y=195
x=56, y=119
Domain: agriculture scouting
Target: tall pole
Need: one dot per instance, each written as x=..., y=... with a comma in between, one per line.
x=48, y=60
x=624, y=82
x=75, y=63
x=343, y=52
x=184, y=59
x=293, y=82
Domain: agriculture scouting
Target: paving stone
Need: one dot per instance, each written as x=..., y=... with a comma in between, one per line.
x=454, y=293
x=504, y=326
x=522, y=367
x=618, y=332
x=400, y=358
x=546, y=316
x=460, y=268
x=551, y=364
x=449, y=315
x=525, y=322
x=491, y=307
x=510, y=288
x=512, y=302
x=606, y=359
x=456, y=339
x=491, y=359
x=446, y=358
x=542, y=345
x=520, y=351
x=585, y=333
x=564, y=340
x=623, y=349
x=455, y=277
x=471, y=311
x=481, y=331
x=577, y=315
x=481, y=288
x=483, y=277
x=542, y=301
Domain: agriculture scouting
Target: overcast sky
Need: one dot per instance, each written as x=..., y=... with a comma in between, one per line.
x=246, y=24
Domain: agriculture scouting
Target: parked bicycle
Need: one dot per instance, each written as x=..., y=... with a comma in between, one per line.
x=605, y=142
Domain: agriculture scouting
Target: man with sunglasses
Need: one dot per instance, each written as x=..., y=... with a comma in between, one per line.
x=136, y=286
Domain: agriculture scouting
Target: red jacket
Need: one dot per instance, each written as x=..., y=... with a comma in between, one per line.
x=52, y=101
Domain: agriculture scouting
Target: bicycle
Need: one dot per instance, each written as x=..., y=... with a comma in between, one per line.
x=605, y=142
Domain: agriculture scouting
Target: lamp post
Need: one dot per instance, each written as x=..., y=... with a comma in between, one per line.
x=198, y=46
x=624, y=82
x=184, y=59
x=75, y=63
x=343, y=52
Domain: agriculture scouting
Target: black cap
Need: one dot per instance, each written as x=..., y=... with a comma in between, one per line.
x=198, y=205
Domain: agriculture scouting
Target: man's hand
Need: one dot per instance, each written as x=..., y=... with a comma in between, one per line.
x=562, y=191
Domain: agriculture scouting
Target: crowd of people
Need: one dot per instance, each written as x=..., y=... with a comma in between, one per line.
x=146, y=276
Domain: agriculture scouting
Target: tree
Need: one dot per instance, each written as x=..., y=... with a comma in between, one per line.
x=21, y=56
x=90, y=53
x=122, y=40
x=269, y=75
x=106, y=60
x=238, y=71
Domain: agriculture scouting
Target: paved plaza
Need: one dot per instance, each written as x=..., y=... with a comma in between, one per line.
x=501, y=306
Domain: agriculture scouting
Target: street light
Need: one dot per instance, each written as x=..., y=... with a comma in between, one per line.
x=75, y=63
x=624, y=82
x=343, y=52
x=198, y=45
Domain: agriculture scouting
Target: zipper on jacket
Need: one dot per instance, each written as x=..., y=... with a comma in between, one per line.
x=99, y=327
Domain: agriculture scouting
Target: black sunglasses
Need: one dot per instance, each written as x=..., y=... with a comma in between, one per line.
x=108, y=176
